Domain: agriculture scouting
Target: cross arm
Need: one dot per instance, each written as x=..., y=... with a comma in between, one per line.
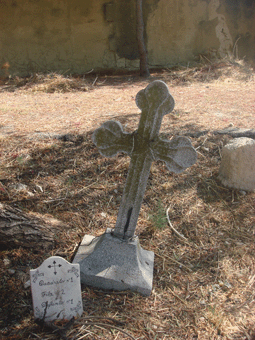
x=178, y=153
x=111, y=139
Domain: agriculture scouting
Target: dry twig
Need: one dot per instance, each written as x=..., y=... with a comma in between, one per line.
x=177, y=232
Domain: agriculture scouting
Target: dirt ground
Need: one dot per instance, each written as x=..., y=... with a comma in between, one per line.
x=204, y=286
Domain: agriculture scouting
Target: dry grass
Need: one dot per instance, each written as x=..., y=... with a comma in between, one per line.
x=211, y=71
x=48, y=83
x=204, y=284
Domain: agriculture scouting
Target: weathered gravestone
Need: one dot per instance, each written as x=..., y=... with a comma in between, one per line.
x=116, y=260
x=56, y=290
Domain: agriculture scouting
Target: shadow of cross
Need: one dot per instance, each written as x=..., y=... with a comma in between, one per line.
x=144, y=146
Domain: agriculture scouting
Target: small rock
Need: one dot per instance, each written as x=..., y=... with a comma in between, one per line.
x=39, y=187
x=242, y=192
x=11, y=271
x=227, y=284
x=27, y=284
x=6, y=262
x=240, y=244
x=20, y=187
x=30, y=193
x=215, y=287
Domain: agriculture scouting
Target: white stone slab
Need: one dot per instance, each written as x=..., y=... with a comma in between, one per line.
x=56, y=290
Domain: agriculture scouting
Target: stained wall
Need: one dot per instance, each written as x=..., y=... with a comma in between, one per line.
x=76, y=36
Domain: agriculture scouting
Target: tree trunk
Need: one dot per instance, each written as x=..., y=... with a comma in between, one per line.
x=144, y=70
x=20, y=229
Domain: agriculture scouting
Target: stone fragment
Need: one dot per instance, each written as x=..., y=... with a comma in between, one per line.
x=237, y=169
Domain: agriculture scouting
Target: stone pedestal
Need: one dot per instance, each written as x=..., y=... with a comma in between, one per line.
x=109, y=262
x=237, y=168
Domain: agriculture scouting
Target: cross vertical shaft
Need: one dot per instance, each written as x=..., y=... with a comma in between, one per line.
x=154, y=101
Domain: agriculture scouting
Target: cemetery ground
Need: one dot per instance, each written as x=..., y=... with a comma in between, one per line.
x=204, y=277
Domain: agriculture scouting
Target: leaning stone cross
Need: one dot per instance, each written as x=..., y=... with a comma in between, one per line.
x=115, y=260
x=144, y=146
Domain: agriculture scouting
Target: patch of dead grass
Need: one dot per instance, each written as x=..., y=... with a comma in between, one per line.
x=48, y=83
x=57, y=83
x=221, y=70
x=204, y=71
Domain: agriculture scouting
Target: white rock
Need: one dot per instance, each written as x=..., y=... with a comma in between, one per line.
x=27, y=284
x=6, y=262
x=20, y=187
x=39, y=187
x=237, y=169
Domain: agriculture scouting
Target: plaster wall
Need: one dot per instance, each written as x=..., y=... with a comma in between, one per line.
x=75, y=36
x=53, y=35
x=180, y=30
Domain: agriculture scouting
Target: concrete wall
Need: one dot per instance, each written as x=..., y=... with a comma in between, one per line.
x=75, y=36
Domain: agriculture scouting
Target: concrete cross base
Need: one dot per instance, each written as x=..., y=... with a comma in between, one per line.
x=108, y=262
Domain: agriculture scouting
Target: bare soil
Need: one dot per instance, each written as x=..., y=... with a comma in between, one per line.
x=204, y=286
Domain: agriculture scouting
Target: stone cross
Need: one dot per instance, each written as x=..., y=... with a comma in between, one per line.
x=144, y=146
x=116, y=260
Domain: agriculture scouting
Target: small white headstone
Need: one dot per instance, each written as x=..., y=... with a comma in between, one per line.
x=56, y=290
